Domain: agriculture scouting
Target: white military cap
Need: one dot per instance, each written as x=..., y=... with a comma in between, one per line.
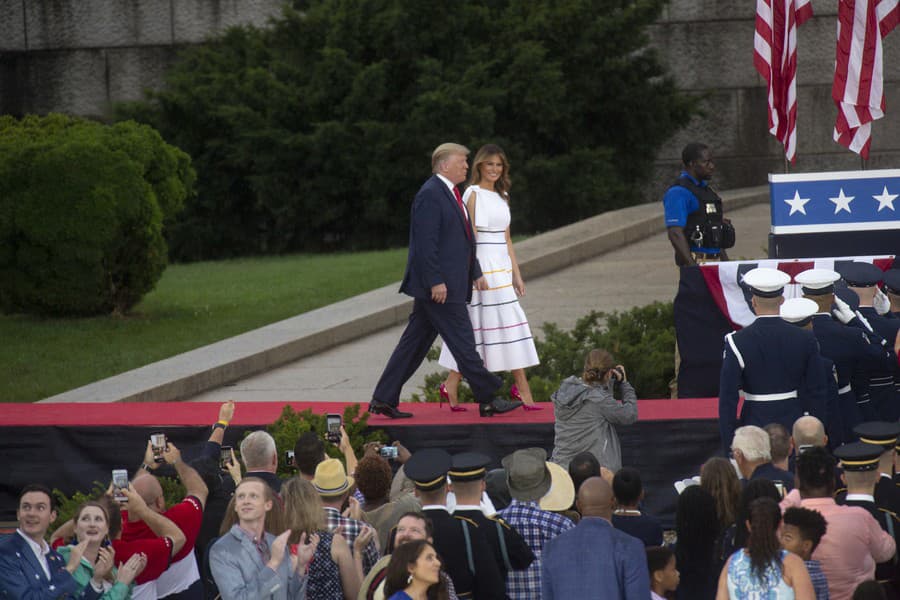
x=817, y=282
x=798, y=310
x=765, y=282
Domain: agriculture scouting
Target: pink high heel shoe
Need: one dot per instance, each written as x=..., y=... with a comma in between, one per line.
x=514, y=393
x=446, y=396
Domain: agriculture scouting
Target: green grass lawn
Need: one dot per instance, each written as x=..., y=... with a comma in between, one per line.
x=193, y=305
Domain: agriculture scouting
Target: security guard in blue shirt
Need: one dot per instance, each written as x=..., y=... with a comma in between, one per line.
x=862, y=278
x=850, y=348
x=777, y=365
x=697, y=229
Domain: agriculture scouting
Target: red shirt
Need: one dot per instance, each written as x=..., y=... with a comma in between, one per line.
x=157, y=549
x=187, y=515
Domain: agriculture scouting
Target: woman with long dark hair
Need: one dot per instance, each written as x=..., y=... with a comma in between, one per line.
x=695, y=547
x=414, y=573
x=502, y=335
x=763, y=569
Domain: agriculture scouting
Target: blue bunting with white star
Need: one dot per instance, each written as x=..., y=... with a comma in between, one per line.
x=836, y=201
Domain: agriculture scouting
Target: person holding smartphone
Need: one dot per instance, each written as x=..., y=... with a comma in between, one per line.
x=586, y=409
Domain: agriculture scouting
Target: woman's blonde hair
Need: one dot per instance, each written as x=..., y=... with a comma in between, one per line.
x=274, y=522
x=302, y=508
x=484, y=153
x=597, y=364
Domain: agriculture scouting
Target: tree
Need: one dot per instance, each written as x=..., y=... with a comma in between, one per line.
x=315, y=133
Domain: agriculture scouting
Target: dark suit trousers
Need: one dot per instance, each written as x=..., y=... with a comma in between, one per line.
x=427, y=320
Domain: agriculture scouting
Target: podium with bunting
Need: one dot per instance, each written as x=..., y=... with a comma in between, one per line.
x=840, y=213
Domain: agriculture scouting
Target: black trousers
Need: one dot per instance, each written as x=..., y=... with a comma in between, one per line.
x=427, y=320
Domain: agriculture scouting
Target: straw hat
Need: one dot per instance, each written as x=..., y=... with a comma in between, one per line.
x=331, y=479
x=562, y=490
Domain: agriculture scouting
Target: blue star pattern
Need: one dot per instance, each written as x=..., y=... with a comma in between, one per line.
x=836, y=201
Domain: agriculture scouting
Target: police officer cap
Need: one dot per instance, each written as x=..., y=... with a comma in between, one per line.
x=891, y=280
x=817, y=282
x=858, y=456
x=860, y=274
x=879, y=433
x=765, y=282
x=848, y=296
x=428, y=468
x=469, y=466
x=798, y=311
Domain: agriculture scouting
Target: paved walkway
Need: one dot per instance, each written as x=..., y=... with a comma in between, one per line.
x=635, y=275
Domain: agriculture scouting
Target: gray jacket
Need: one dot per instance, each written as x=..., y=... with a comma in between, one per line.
x=240, y=573
x=585, y=415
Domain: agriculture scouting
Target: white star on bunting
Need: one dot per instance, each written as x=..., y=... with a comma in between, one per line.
x=842, y=202
x=797, y=203
x=885, y=200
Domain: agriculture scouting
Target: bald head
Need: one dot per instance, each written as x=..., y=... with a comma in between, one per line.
x=808, y=431
x=147, y=487
x=595, y=498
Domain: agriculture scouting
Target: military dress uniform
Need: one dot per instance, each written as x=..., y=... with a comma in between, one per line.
x=463, y=548
x=777, y=365
x=861, y=456
x=511, y=551
x=883, y=435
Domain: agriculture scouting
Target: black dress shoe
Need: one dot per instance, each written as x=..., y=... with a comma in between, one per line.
x=497, y=406
x=380, y=408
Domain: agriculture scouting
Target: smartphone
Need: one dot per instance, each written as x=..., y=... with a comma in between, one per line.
x=158, y=446
x=119, y=481
x=333, y=428
x=388, y=452
x=289, y=458
x=224, y=457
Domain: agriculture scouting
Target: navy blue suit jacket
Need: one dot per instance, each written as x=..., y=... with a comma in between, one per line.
x=439, y=249
x=21, y=575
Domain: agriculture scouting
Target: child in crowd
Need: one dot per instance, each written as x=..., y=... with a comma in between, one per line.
x=801, y=532
x=629, y=491
x=663, y=574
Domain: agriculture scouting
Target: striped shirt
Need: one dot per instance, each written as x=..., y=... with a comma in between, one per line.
x=820, y=583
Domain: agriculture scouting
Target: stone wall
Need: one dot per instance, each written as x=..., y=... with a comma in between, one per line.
x=79, y=56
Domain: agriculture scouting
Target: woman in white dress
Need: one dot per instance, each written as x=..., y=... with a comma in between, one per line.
x=502, y=336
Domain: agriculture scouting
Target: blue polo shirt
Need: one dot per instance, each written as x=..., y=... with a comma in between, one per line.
x=678, y=203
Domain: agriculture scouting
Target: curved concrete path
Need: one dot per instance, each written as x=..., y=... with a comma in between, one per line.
x=634, y=275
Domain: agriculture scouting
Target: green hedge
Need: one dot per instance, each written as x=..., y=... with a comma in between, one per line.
x=316, y=132
x=82, y=209
x=642, y=339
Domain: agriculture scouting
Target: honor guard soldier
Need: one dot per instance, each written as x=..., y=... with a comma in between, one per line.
x=799, y=312
x=884, y=435
x=467, y=483
x=891, y=282
x=462, y=546
x=850, y=348
x=862, y=279
x=860, y=462
x=777, y=365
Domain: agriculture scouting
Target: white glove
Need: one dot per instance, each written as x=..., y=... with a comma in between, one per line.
x=865, y=322
x=881, y=303
x=842, y=311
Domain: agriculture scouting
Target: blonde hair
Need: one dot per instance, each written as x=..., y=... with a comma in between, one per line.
x=274, y=522
x=484, y=153
x=445, y=151
x=303, y=511
x=597, y=364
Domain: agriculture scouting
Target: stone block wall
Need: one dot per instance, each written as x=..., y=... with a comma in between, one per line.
x=79, y=56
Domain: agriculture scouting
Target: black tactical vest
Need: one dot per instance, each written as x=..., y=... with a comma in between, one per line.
x=704, y=227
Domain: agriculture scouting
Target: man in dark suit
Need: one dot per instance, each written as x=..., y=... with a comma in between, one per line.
x=29, y=567
x=440, y=270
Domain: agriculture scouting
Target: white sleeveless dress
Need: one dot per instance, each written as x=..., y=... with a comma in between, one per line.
x=502, y=335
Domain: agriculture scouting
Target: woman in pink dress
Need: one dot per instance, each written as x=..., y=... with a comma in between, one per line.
x=502, y=335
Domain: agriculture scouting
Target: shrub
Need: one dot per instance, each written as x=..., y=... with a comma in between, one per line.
x=315, y=133
x=82, y=207
x=642, y=339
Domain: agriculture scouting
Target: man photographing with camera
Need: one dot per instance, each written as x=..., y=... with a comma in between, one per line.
x=697, y=229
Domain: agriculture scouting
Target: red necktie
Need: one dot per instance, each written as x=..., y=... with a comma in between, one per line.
x=463, y=209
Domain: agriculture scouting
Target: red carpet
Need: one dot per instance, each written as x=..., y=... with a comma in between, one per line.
x=148, y=414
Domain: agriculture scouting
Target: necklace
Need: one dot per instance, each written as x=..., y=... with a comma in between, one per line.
x=627, y=511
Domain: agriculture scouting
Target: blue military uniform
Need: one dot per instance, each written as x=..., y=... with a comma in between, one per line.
x=777, y=365
x=880, y=379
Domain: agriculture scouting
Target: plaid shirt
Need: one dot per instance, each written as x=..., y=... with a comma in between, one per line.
x=351, y=529
x=537, y=527
x=820, y=583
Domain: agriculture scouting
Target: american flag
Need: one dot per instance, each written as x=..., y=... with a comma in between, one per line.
x=775, y=58
x=858, y=88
